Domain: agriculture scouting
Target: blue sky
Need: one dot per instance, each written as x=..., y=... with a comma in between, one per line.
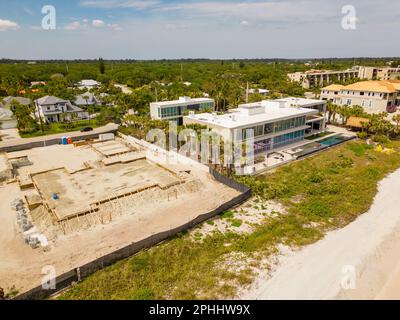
x=157, y=29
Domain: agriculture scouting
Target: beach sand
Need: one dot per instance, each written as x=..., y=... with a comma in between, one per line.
x=359, y=261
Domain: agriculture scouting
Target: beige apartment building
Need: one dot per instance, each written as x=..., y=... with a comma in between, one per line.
x=379, y=73
x=320, y=78
x=374, y=96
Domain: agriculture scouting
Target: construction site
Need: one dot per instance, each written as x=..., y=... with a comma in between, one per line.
x=66, y=205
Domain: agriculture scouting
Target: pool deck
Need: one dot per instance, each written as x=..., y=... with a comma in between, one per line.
x=289, y=153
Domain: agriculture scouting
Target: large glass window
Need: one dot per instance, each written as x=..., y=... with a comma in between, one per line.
x=270, y=128
x=288, y=138
x=257, y=131
x=169, y=112
x=289, y=124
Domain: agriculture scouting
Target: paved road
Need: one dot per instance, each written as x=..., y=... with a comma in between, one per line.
x=20, y=143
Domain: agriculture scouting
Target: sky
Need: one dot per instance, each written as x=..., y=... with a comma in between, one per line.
x=215, y=29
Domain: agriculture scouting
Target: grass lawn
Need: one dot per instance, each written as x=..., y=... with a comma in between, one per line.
x=321, y=193
x=54, y=128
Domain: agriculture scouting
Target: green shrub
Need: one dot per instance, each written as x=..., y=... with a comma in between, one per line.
x=380, y=139
x=362, y=135
x=227, y=214
x=316, y=177
x=236, y=223
x=143, y=294
x=359, y=149
x=318, y=208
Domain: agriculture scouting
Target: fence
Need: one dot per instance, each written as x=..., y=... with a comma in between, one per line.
x=70, y=277
x=38, y=142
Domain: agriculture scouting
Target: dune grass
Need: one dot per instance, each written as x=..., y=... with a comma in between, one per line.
x=324, y=192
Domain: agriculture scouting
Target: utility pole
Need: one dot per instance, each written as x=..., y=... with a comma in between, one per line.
x=181, y=72
x=40, y=117
x=247, y=92
x=156, y=94
x=66, y=65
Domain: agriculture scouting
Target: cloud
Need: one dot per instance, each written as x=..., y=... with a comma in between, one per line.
x=244, y=23
x=271, y=11
x=8, y=25
x=114, y=27
x=98, y=23
x=72, y=26
x=29, y=11
x=115, y=4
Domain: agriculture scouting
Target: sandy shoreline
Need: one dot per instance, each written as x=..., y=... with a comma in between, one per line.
x=359, y=261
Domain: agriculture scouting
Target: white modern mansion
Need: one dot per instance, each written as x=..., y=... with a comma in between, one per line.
x=373, y=96
x=174, y=110
x=274, y=123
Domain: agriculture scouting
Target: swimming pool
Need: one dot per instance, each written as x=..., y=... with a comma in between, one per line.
x=333, y=140
x=314, y=147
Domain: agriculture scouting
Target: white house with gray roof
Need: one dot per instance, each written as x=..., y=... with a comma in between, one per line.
x=88, y=84
x=53, y=109
x=87, y=99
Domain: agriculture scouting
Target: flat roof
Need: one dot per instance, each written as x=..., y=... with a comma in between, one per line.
x=300, y=101
x=177, y=102
x=236, y=119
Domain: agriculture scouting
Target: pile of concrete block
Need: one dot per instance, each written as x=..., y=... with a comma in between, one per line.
x=29, y=232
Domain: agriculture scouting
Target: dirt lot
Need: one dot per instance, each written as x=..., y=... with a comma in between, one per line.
x=21, y=266
x=76, y=192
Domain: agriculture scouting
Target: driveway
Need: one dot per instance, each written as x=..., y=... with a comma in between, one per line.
x=9, y=134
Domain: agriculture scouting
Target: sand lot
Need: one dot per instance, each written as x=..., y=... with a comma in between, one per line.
x=152, y=211
x=360, y=261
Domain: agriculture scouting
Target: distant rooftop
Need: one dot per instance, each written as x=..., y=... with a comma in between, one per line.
x=21, y=100
x=89, y=82
x=334, y=87
x=383, y=86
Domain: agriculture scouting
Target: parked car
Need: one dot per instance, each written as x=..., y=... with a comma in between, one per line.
x=87, y=129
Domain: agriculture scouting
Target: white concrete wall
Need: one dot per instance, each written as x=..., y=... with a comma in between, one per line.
x=164, y=157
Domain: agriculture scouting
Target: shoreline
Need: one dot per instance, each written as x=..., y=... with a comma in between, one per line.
x=367, y=250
